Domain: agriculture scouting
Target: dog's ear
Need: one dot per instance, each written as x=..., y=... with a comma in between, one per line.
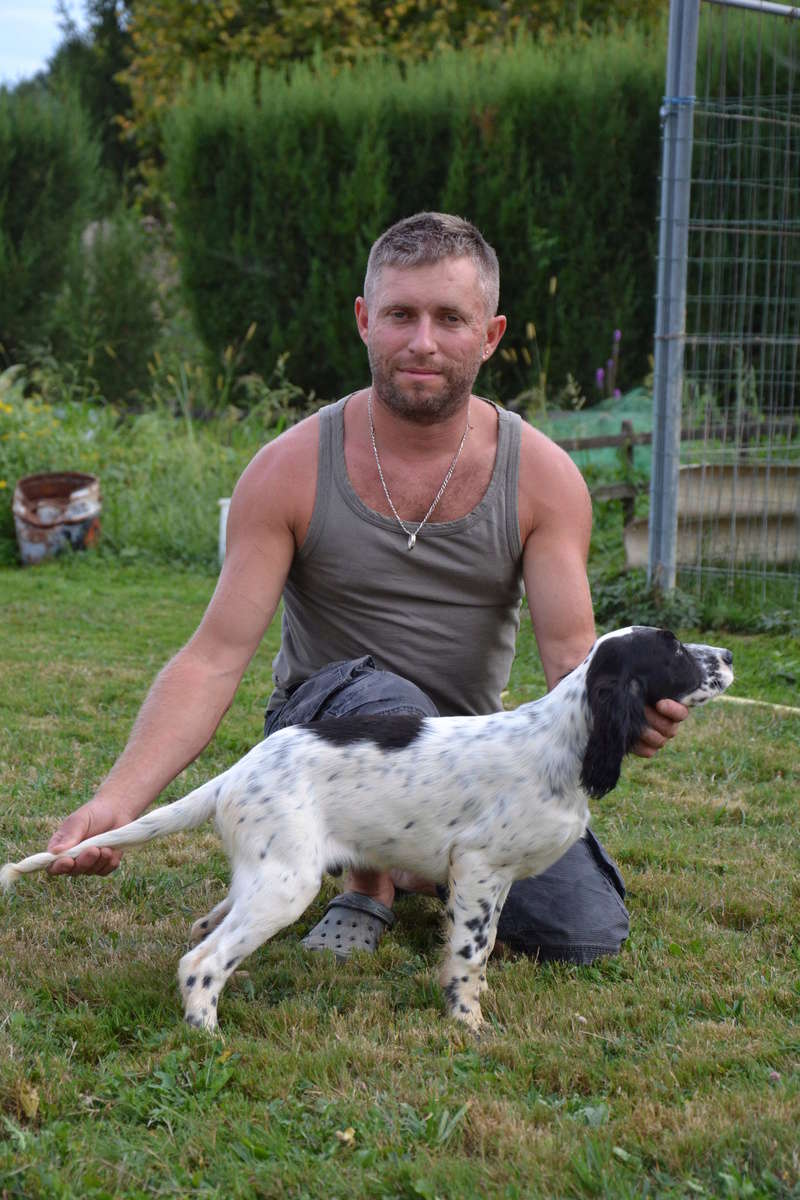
x=616, y=706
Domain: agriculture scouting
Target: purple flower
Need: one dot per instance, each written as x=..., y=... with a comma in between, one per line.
x=610, y=364
x=617, y=394
x=599, y=378
x=617, y=335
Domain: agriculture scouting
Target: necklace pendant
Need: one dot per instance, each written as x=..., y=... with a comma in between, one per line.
x=412, y=541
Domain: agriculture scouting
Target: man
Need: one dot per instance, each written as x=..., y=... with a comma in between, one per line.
x=400, y=526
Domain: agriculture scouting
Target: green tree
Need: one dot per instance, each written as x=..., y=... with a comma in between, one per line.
x=204, y=38
x=91, y=62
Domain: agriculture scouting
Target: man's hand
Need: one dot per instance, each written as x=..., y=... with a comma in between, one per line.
x=95, y=817
x=662, y=724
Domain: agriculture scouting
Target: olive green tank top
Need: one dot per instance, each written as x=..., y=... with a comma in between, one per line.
x=444, y=615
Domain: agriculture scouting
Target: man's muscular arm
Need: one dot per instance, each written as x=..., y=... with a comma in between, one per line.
x=194, y=690
x=556, y=525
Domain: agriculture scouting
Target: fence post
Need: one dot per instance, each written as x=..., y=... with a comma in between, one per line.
x=677, y=115
x=628, y=502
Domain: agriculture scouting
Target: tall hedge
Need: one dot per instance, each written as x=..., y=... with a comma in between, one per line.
x=48, y=181
x=280, y=185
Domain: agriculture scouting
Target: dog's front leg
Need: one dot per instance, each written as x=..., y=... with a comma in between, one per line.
x=476, y=897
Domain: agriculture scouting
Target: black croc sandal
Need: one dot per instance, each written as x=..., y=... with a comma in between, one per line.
x=351, y=922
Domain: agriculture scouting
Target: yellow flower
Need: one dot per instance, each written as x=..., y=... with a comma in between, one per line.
x=3, y=484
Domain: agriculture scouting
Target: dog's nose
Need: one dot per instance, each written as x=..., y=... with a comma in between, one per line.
x=727, y=657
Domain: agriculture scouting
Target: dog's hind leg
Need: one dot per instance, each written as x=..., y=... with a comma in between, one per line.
x=476, y=896
x=206, y=925
x=261, y=904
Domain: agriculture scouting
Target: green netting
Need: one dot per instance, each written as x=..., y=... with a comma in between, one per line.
x=601, y=419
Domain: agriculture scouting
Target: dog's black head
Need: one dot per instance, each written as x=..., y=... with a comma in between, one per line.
x=629, y=669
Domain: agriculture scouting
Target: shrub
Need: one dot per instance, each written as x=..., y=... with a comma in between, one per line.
x=105, y=321
x=281, y=184
x=48, y=181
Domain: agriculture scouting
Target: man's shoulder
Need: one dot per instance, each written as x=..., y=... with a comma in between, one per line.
x=281, y=477
x=539, y=453
x=549, y=481
x=295, y=446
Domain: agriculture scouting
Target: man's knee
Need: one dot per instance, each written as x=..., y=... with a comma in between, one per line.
x=573, y=912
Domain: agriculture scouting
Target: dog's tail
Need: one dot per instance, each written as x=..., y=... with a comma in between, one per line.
x=187, y=813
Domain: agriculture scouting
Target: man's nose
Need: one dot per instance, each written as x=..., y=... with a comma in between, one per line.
x=422, y=337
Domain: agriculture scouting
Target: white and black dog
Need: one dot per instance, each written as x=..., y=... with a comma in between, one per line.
x=473, y=802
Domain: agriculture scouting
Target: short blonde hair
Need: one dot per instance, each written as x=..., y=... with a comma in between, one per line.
x=428, y=237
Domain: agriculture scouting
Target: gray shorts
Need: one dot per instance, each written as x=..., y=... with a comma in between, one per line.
x=573, y=912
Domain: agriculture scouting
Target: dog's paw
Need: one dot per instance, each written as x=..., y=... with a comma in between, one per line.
x=206, y=1020
x=469, y=1015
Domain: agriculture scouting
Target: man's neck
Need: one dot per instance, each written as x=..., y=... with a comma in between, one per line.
x=401, y=435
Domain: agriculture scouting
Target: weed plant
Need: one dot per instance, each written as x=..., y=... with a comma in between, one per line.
x=161, y=470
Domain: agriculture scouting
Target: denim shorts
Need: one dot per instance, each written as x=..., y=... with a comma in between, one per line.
x=573, y=912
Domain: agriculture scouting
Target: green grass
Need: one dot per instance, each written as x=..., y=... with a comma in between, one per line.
x=669, y=1071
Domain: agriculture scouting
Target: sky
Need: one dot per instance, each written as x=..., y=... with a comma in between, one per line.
x=29, y=33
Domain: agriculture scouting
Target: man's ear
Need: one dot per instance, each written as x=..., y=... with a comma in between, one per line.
x=362, y=317
x=494, y=332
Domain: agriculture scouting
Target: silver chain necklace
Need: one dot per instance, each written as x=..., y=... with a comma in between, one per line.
x=412, y=535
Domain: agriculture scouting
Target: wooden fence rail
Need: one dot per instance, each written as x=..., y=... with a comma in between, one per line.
x=744, y=433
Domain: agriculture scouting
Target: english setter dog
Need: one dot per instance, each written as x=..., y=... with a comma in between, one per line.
x=471, y=802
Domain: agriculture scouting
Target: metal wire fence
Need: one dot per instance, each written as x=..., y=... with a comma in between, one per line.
x=729, y=495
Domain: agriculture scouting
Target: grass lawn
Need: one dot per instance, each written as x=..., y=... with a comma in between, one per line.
x=669, y=1071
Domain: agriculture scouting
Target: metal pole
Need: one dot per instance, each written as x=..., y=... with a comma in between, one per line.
x=678, y=117
x=760, y=6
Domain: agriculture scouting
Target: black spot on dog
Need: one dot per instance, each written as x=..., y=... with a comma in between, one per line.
x=207, y=981
x=409, y=825
x=466, y=951
x=451, y=991
x=387, y=732
x=191, y=981
x=231, y=963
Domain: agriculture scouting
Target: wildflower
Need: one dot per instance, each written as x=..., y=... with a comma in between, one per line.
x=599, y=378
x=617, y=335
x=3, y=484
